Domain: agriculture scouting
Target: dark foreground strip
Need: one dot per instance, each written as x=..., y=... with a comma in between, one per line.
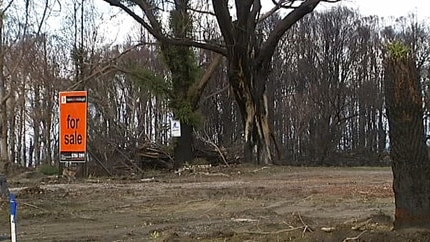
x=2, y=237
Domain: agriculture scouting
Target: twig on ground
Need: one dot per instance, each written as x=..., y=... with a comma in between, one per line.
x=328, y=229
x=260, y=169
x=361, y=225
x=194, y=201
x=124, y=206
x=269, y=233
x=240, y=220
x=354, y=238
x=213, y=174
x=34, y=206
x=152, y=179
x=306, y=227
x=215, y=205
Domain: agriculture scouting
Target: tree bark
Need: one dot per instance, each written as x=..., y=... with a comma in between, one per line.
x=183, y=150
x=411, y=166
x=4, y=151
x=182, y=64
x=250, y=93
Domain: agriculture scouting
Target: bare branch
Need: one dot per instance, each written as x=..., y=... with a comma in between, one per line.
x=224, y=20
x=202, y=11
x=192, y=43
x=298, y=13
x=197, y=89
x=7, y=7
x=272, y=11
x=44, y=15
x=147, y=26
x=286, y=4
x=210, y=142
x=105, y=69
x=148, y=9
x=154, y=27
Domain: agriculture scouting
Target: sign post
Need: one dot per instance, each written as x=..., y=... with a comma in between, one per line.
x=73, y=126
x=13, y=213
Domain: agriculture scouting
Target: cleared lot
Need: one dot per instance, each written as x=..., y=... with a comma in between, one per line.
x=210, y=204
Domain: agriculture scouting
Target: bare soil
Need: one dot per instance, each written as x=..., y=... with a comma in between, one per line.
x=241, y=203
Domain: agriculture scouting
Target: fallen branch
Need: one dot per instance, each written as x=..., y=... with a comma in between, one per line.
x=160, y=149
x=269, y=233
x=207, y=140
x=194, y=201
x=306, y=227
x=214, y=206
x=152, y=179
x=328, y=229
x=213, y=174
x=361, y=225
x=124, y=206
x=354, y=238
x=260, y=169
x=240, y=220
x=34, y=206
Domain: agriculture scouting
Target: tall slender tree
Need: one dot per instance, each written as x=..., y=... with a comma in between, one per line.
x=187, y=84
x=4, y=150
x=183, y=66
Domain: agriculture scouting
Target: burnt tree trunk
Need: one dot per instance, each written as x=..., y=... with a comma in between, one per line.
x=250, y=93
x=411, y=166
x=249, y=58
x=183, y=150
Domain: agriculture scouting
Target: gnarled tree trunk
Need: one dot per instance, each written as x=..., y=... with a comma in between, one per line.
x=249, y=57
x=411, y=166
x=250, y=93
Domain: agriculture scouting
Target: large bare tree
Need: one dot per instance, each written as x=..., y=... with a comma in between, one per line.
x=187, y=86
x=249, y=56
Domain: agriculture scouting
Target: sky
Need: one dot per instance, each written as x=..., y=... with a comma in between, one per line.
x=391, y=8
x=382, y=8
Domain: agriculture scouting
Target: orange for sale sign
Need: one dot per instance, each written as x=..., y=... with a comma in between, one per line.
x=73, y=126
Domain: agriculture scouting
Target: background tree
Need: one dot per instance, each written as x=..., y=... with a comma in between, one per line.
x=4, y=157
x=17, y=34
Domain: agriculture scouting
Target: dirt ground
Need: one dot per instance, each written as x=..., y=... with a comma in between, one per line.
x=241, y=203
